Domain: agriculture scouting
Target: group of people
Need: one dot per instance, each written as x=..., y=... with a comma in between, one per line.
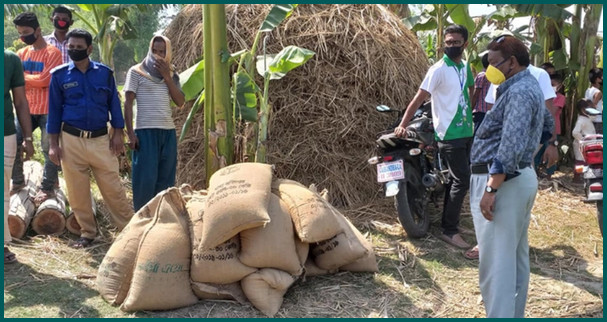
x=52, y=84
x=492, y=150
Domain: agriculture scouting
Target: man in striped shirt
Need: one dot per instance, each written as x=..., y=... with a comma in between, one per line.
x=62, y=20
x=38, y=58
x=154, y=84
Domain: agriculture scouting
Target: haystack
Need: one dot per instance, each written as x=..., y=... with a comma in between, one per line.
x=324, y=121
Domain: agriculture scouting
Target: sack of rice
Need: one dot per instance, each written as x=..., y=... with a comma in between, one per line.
x=265, y=289
x=340, y=250
x=208, y=291
x=312, y=270
x=273, y=245
x=219, y=265
x=367, y=263
x=302, y=249
x=161, y=278
x=116, y=269
x=238, y=199
x=312, y=215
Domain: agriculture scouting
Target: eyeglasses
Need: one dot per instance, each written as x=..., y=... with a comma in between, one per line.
x=454, y=42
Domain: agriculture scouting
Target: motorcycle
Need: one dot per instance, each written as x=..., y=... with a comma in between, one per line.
x=410, y=169
x=591, y=147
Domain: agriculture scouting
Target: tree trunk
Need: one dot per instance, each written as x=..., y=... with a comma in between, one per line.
x=218, y=120
x=50, y=216
x=20, y=213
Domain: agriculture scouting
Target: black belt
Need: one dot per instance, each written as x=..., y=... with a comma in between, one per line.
x=483, y=168
x=82, y=133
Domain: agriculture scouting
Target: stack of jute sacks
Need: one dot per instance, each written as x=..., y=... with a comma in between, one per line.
x=249, y=238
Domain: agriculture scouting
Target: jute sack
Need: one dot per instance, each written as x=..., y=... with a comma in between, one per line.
x=265, y=289
x=161, y=278
x=302, y=249
x=312, y=270
x=220, y=264
x=273, y=245
x=311, y=214
x=116, y=269
x=238, y=199
x=340, y=250
x=208, y=291
x=367, y=263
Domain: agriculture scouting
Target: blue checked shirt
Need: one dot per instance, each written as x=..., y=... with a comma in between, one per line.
x=511, y=130
x=86, y=101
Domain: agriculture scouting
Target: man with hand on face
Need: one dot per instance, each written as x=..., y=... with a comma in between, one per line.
x=83, y=98
x=154, y=84
x=38, y=58
x=450, y=82
x=62, y=20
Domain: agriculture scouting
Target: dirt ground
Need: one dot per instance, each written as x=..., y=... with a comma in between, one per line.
x=417, y=278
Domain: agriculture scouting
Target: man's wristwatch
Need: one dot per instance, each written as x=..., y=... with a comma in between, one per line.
x=555, y=143
x=29, y=138
x=489, y=189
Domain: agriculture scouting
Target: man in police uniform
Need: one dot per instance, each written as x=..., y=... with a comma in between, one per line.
x=83, y=98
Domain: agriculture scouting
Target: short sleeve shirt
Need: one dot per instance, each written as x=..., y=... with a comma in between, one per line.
x=448, y=84
x=153, y=101
x=13, y=77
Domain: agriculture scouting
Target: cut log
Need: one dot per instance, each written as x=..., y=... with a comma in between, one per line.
x=33, y=172
x=70, y=222
x=50, y=216
x=20, y=213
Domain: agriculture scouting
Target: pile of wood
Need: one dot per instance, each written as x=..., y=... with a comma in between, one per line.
x=248, y=238
x=51, y=217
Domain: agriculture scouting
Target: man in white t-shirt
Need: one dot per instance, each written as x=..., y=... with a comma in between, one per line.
x=551, y=154
x=450, y=82
x=595, y=96
x=153, y=83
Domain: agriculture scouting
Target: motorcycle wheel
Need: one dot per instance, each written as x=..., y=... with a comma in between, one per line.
x=599, y=214
x=411, y=201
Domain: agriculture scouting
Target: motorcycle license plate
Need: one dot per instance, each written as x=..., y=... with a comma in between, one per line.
x=390, y=171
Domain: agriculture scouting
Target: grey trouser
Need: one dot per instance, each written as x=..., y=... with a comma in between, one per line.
x=503, y=244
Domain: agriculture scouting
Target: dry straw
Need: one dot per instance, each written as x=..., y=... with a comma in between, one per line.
x=324, y=122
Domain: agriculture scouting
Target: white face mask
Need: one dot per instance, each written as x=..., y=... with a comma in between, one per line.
x=555, y=88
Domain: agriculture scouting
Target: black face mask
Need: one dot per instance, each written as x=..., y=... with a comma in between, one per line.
x=454, y=52
x=61, y=25
x=77, y=54
x=29, y=39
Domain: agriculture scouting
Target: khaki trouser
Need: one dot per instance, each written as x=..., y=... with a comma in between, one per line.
x=10, y=150
x=78, y=156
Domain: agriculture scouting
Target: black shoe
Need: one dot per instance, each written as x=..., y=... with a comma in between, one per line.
x=82, y=242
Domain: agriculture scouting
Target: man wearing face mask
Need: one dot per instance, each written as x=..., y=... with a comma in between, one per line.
x=83, y=98
x=450, y=82
x=38, y=58
x=62, y=20
x=154, y=84
x=503, y=185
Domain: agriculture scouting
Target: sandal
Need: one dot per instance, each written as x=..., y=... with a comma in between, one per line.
x=82, y=242
x=43, y=195
x=9, y=257
x=472, y=253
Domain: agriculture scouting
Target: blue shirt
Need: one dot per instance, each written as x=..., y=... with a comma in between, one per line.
x=86, y=101
x=511, y=130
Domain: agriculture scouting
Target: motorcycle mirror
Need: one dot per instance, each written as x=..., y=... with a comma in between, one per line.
x=383, y=108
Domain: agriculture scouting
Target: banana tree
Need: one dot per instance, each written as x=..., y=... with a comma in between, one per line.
x=218, y=123
x=247, y=96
